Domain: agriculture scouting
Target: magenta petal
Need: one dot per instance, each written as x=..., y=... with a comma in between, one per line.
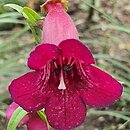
x=41, y=55
x=58, y=26
x=11, y=110
x=77, y=50
x=65, y=113
x=13, y=106
x=102, y=89
x=36, y=123
x=27, y=92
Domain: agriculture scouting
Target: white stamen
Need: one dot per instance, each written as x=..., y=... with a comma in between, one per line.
x=62, y=84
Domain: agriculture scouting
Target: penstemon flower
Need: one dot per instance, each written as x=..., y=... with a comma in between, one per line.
x=32, y=120
x=64, y=79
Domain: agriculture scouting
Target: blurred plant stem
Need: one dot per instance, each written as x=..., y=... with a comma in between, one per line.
x=91, y=12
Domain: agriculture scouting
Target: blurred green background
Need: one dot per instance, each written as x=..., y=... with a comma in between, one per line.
x=103, y=25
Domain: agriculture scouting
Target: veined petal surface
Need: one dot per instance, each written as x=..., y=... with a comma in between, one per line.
x=42, y=54
x=77, y=50
x=102, y=90
x=65, y=112
x=29, y=92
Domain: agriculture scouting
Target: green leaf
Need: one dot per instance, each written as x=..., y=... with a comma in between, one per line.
x=42, y=115
x=32, y=18
x=31, y=15
x=122, y=127
x=113, y=61
x=11, y=20
x=15, y=7
x=121, y=28
x=10, y=15
x=27, y=12
x=3, y=96
x=16, y=118
x=110, y=113
x=35, y=32
x=2, y=113
x=104, y=15
x=126, y=96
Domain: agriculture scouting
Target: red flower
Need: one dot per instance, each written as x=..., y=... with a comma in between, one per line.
x=64, y=80
x=58, y=25
x=33, y=121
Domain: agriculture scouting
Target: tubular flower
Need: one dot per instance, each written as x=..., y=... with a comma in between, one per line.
x=64, y=79
x=33, y=121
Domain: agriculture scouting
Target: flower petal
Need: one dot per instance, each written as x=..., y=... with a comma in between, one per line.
x=10, y=112
x=36, y=123
x=102, y=90
x=76, y=49
x=41, y=55
x=58, y=26
x=28, y=92
x=65, y=112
